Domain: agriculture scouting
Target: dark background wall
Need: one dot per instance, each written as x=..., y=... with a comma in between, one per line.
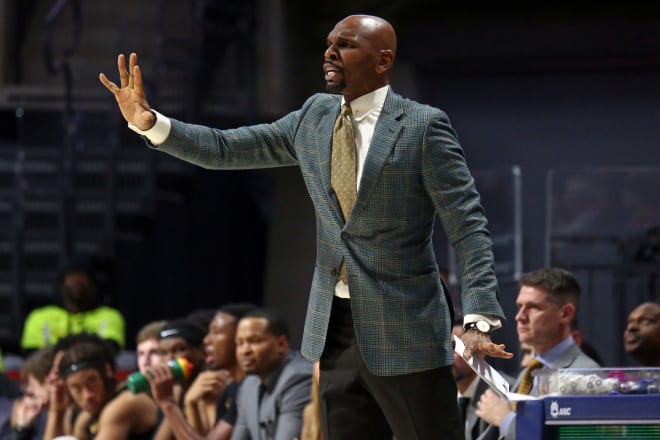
x=555, y=87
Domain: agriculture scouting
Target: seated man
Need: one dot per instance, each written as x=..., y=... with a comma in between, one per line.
x=213, y=394
x=101, y=410
x=641, y=339
x=278, y=384
x=81, y=312
x=547, y=303
x=58, y=395
x=146, y=343
x=180, y=338
x=216, y=387
x=277, y=387
x=28, y=415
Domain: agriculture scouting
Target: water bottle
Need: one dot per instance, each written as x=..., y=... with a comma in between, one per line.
x=181, y=369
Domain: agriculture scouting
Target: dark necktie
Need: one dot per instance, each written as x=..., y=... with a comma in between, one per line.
x=463, y=403
x=344, y=168
x=262, y=391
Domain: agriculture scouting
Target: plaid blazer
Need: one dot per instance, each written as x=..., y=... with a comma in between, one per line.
x=414, y=169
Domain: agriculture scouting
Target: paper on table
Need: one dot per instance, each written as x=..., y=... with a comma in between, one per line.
x=490, y=375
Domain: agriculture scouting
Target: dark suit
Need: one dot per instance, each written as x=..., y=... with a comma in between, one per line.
x=474, y=425
x=414, y=170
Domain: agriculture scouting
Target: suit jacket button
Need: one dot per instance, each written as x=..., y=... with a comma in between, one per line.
x=344, y=235
x=333, y=272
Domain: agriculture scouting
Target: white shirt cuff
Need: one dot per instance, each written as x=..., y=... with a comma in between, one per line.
x=474, y=317
x=159, y=132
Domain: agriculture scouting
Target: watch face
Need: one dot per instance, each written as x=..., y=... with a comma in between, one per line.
x=483, y=326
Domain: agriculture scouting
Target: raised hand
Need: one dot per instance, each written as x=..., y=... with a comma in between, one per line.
x=130, y=96
x=480, y=344
x=26, y=410
x=208, y=386
x=162, y=383
x=58, y=395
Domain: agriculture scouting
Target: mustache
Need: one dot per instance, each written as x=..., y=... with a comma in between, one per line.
x=330, y=63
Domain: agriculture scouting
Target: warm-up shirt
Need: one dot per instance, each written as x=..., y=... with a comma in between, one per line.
x=46, y=325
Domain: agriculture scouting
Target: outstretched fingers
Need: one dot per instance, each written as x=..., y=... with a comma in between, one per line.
x=130, y=77
x=487, y=348
x=496, y=350
x=107, y=83
x=137, y=84
x=133, y=70
x=124, y=76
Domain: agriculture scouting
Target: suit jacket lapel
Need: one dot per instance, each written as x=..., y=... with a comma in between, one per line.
x=385, y=135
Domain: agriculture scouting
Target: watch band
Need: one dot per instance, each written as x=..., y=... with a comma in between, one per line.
x=474, y=326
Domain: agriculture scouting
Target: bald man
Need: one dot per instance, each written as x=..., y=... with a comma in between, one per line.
x=378, y=168
x=641, y=339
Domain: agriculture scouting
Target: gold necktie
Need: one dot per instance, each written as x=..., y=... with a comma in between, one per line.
x=527, y=380
x=344, y=168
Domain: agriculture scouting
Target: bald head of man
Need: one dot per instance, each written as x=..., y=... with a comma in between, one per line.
x=359, y=55
x=641, y=339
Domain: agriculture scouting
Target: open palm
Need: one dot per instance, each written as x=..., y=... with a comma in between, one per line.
x=130, y=96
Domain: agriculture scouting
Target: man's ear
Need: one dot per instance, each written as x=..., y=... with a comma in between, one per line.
x=568, y=312
x=282, y=344
x=385, y=61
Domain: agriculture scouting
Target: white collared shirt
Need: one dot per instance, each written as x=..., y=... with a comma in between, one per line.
x=366, y=110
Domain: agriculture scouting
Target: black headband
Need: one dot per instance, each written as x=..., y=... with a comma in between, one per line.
x=182, y=329
x=74, y=367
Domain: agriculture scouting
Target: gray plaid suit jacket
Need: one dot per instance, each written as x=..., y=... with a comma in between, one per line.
x=414, y=169
x=278, y=415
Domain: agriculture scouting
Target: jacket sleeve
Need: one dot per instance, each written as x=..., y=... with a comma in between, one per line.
x=293, y=402
x=241, y=431
x=450, y=185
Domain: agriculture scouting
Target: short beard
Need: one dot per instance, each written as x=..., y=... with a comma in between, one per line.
x=336, y=88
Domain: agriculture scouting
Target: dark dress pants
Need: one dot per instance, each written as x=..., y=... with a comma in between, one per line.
x=356, y=404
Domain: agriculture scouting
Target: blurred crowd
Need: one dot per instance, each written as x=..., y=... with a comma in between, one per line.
x=230, y=372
